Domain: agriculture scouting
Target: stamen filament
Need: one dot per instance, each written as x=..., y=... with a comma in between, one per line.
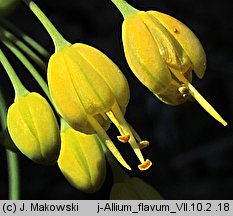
x=117, y=118
x=108, y=142
x=199, y=97
x=136, y=135
x=121, y=124
x=115, y=122
x=142, y=143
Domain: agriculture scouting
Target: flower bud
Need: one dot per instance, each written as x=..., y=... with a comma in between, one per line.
x=7, y=6
x=133, y=189
x=82, y=160
x=33, y=128
x=89, y=92
x=162, y=52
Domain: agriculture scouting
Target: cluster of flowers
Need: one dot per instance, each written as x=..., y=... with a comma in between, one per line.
x=89, y=92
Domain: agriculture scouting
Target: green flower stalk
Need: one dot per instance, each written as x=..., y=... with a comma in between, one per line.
x=7, y=7
x=81, y=159
x=6, y=35
x=11, y=151
x=89, y=91
x=162, y=52
x=25, y=38
x=19, y=54
x=35, y=135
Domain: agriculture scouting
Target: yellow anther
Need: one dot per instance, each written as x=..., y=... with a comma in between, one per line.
x=143, y=144
x=116, y=116
x=145, y=165
x=124, y=138
x=183, y=90
x=108, y=142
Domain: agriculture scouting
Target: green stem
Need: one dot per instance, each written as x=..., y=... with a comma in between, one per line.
x=13, y=172
x=20, y=90
x=125, y=8
x=118, y=174
x=3, y=109
x=27, y=64
x=23, y=47
x=30, y=41
x=12, y=160
x=58, y=39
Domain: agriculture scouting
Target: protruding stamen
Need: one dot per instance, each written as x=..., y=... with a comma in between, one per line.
x=199, y=97
x=115, y=122
x=117, y=118
x=143, y=144
x=136, y=135
x=124, y=138
x=103, y=135
x=206, y=105
x=145, y=165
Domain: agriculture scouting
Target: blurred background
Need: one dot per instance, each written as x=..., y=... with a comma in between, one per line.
x=191, y=152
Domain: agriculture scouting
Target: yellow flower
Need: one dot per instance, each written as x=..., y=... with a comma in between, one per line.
x=155, y=44
x=133, y=189
x=82, y=160
x=89, y=92
x=162, y=52
x=33, y=128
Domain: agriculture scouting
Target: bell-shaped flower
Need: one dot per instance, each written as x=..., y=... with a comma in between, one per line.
x=34, y=129
x=81, y=160
x=89, y=92
x=154, y=49
x=163, y=52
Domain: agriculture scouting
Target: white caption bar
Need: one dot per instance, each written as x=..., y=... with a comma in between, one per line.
x=117, y=207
